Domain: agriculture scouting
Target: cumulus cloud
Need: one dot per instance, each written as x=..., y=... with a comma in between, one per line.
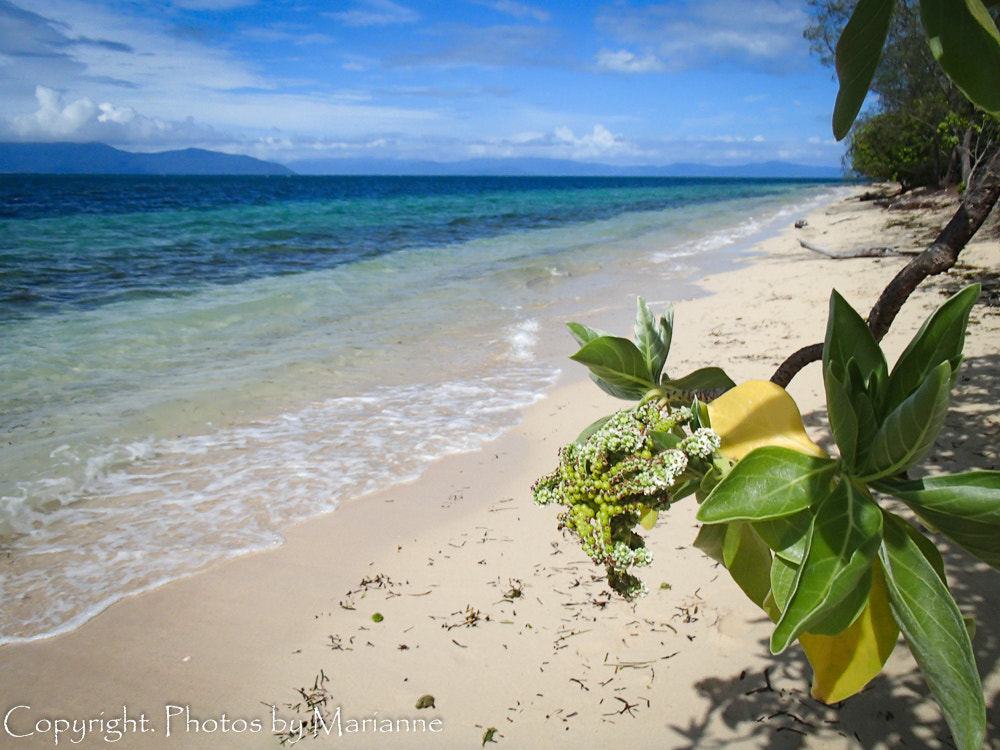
x=84, y=120
x=599, y=142
x=599, y=145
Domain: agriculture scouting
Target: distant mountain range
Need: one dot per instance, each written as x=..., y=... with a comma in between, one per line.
x=97, y=158
x=558, y=168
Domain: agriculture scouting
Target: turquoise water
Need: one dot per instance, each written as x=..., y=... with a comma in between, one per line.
x=189, y=365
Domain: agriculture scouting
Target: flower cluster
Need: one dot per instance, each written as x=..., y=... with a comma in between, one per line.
x=702, y=443
x=626, y=468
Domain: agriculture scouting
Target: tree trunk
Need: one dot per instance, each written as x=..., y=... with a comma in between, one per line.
x=976, y=205
x=966, y=152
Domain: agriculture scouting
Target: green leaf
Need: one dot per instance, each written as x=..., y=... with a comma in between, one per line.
x=845, y=537
x=769, y=482
x=704, y=379
x=592, y=428
x=966, y=44
x=787, y=536
x=935, y=633
x=664, y=440
x=711, y=539
x=748, y=560
x=858, y=51
x=783, y=575
x=909, y=431
x=584, y=334
x=847, y=610
x=849, y=337
x=617, y=366
x=720, y=466
x=963, y=507
x=940, y=339
x=844, y=663
x=863, y=404
x=843, y=419
x=653, y=336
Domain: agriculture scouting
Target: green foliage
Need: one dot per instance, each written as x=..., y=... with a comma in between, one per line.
x=934, y=630
x=966, y=44
x=932, y=68
x=961, y=506
x=623, y=469
x=884, y=423
x=857, y=58
x=630, y=370
x=804, y=535
x=962, y=37
x=770, y=482
x=901, y=146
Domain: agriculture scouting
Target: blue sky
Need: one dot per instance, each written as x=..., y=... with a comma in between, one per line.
x=620, y=82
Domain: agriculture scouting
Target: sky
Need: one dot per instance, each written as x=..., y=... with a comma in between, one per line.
x=620, y=82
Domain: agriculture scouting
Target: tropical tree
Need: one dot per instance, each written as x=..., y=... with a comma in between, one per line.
x=904, y=146
x=920, y=129
x=966, y=44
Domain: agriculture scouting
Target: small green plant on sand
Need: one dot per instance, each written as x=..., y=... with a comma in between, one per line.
x=808, y=537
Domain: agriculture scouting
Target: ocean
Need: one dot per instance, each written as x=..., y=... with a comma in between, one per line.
x=188, y=365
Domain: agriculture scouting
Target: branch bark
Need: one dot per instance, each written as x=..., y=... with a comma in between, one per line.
x=976, y=205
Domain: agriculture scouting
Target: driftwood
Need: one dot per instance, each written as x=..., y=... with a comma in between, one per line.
x=978, y=201
x=865, y=252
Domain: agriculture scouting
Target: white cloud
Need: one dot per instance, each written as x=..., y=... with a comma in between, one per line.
x=517, y=10
x=693, y=34
x=85, y=120
x=376, y=13
x=491, y=47
x=599, y=141
x=125, y=73
x=213, y=4
x=599, y=145
x=624, y=61
x=89, y=48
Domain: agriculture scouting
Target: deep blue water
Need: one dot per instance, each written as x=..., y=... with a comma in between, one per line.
x=83, y=241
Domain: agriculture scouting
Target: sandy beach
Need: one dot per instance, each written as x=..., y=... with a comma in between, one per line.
x=451, y=612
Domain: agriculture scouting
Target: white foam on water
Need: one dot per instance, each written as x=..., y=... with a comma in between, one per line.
x=750, y=228
x=523, y=337
x=155, y=510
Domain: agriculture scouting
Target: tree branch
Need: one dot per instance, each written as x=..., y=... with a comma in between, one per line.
x=865, y=252
x=979, y=200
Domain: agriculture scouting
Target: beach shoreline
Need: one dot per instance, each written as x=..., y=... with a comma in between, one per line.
x=154, y=437
x=484, y=605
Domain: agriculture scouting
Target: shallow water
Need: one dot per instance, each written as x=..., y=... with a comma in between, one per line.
x=191, y=364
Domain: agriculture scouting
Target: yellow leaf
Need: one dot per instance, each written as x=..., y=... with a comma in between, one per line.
x=843, y=664
x=758, y=413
